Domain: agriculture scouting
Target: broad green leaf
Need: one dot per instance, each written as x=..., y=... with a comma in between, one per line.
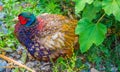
x=80, y=27
x=112, y=7
x=97, y=3
x=90, y=34
x=80, y=4
x=90, y=12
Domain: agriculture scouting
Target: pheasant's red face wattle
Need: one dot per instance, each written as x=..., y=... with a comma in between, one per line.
x=22, y=20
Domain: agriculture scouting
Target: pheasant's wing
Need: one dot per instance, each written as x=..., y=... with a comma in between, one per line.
x=57, y=36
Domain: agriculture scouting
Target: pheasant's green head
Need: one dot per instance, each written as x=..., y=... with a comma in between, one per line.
x=26, y=18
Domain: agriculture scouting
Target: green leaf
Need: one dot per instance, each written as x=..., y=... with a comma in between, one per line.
x=97, y=3
x=90, y=33
x=78, y=63
x=80, y=27
x=22, y=70
x=15, y=70
x=112, y=7
x=80, y=4
x=60, y=59
x=90, y=12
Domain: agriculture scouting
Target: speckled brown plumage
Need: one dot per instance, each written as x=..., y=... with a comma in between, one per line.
x=50, y=37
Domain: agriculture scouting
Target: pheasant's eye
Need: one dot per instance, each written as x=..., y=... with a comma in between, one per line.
x=22, y=20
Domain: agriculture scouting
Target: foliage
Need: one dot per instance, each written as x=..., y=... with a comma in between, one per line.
x=98, y=30
x=112, y=7
x=90, y=34
x=101, y=7
x=99, y=35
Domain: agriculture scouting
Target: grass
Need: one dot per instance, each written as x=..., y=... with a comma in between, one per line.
x=106, y=54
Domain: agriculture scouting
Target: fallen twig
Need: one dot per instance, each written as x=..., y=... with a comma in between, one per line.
x=15, y=62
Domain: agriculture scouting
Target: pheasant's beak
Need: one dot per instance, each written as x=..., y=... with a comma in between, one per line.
x=15, y=19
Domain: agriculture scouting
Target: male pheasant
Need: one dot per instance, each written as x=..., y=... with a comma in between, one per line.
x=47, y=36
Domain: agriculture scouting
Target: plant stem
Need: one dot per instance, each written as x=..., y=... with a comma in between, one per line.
x=100, y=18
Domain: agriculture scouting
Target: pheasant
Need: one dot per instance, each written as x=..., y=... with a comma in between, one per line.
x=47, y=36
